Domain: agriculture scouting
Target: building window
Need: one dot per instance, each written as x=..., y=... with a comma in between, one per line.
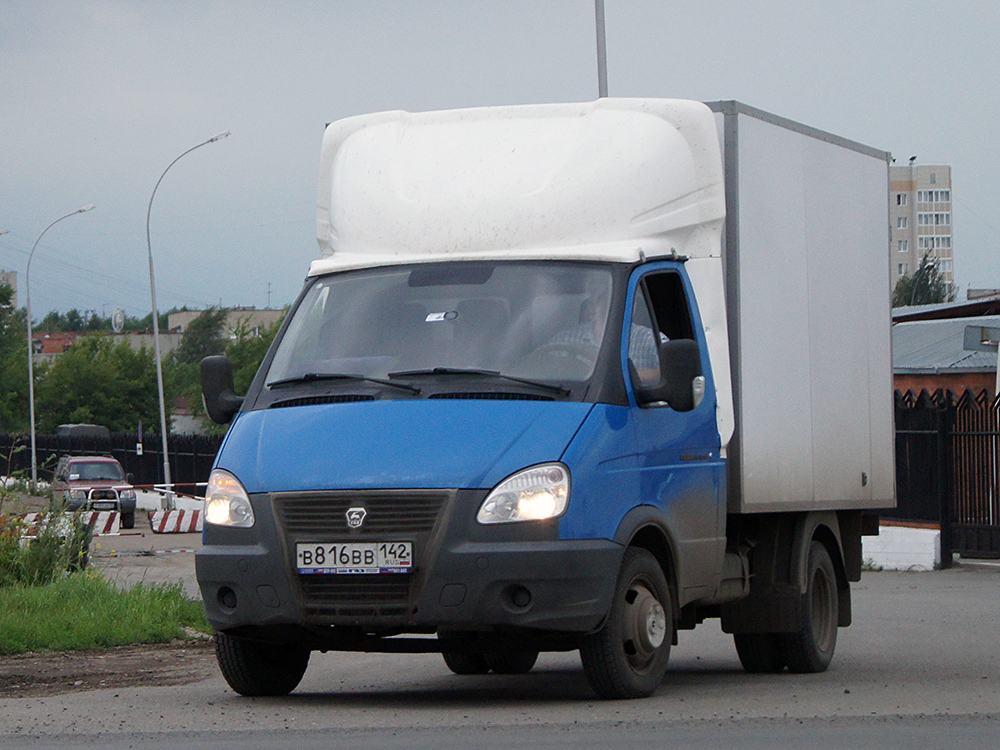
x=939, y=219
x=904, y=269
x=933, y=179
x=900, y=199
x=904, y=246
x=902, y=222
x=933, y=196
x=934, y=243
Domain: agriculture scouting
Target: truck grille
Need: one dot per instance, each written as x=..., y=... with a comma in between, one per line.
x=390, y=515
x=387, y=512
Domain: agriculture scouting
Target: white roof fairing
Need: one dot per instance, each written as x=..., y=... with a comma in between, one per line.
x=601, y=181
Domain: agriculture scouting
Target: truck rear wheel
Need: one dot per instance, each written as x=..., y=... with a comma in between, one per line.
x=511, y=662
x=255, y=668
x=628, y=656
x=811, y=648
x=462, y=662
x=760, y=653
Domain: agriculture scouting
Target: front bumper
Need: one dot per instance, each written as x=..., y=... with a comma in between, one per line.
x=103, y=500
x=465, y=576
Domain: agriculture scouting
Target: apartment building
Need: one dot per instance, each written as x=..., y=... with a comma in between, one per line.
x=920, y=219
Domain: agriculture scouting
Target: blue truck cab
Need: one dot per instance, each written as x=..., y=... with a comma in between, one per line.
x=497, y=420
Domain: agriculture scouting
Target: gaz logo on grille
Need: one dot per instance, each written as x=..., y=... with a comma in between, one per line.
x=356, y=517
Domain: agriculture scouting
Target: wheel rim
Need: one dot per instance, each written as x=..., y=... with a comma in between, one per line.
x=821, y=611
x=645, y=626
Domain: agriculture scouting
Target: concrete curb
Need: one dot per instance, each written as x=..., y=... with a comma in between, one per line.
x=176, y=521
x=104, y=522
x=902, y=547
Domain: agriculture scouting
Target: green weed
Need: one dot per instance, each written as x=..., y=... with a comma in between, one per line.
x=84, y=610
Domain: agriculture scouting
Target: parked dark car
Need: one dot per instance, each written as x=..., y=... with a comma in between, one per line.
x=95, y=483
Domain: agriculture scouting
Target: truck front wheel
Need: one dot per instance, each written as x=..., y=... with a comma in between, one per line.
x=628, y=656
x=255, y=668
x=811, y=648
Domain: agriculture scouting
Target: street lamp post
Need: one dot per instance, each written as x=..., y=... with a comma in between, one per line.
x=156, y=323
x=31, y=353
x=602, y=54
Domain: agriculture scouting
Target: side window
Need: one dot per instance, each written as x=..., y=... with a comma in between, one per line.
x=660, y=313
x=670, y=305
x=641, y=341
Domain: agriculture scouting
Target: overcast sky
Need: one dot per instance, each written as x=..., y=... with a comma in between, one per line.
x=97, y=98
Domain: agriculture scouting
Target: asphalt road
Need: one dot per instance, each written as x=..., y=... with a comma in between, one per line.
x=919, y=668
x=138, y=555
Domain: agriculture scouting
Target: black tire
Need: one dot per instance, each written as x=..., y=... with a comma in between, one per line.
x=760, y=653
x=462, y=662
x=628, y=656
x=811, y=648
x=255, y=668
x=511, y=662
x=128, y=520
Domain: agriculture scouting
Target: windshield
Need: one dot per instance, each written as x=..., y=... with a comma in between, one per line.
x=96, y=471
x=541, y=321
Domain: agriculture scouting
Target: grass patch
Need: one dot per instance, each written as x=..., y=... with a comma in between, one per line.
x=83, y=610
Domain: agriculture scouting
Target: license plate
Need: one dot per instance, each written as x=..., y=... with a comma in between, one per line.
x=104, y=506
x=346, y=558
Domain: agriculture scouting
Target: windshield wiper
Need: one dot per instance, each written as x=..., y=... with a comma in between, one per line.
x=313, y=377
x=474, y=371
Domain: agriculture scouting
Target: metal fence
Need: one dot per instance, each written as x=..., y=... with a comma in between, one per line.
x=191, y=456
x=947, y=464
x=947, y=460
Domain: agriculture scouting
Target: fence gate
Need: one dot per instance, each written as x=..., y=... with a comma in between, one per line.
x=948, y=468
x=975, y=521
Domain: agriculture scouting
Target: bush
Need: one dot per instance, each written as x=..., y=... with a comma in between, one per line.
x=61, y=546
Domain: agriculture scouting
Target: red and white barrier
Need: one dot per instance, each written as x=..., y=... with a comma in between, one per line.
x=176, y=521
x=104, y=522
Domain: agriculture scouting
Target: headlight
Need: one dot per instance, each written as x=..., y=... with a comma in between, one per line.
x=127, y=494
x=79, y=495
x=226, y=502
x=534, y=494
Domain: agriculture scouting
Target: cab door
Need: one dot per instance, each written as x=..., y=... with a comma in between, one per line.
x=677, y=446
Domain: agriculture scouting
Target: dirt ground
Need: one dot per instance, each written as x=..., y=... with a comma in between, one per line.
x=51, y=673
x=22, y=503
x=45, y=674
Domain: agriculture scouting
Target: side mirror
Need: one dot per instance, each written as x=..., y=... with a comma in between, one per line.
x=218, y=389
x=130, y=478
x=681, y=384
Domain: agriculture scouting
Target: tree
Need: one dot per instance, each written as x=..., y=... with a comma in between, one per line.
x=924, y=287
x=13, y=365
x=246, y=351
x=97, y=381
x=74, y=321
x=202, y=338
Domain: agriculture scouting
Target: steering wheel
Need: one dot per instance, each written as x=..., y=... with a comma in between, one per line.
x=570, y=360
